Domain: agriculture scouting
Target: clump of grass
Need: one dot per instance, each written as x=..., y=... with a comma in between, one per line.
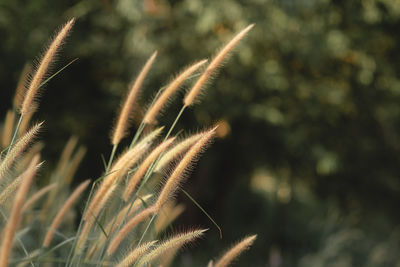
x=128, y=208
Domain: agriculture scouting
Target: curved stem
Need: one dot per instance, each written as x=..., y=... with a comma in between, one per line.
x=15, y=134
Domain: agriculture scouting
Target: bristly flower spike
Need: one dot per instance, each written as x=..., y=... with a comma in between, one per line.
x=154, y=110
x=235, y=251
x=41, y=71
x=122, y=124
x=218, y=59
x=186, y=162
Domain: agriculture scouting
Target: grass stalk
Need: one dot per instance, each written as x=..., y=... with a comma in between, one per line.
x=203, y=210
x=114, y=149
x=15, y=133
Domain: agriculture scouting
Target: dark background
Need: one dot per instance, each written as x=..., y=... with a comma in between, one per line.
x=311, y=99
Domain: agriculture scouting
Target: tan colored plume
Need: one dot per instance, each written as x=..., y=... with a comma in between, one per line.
x=173, y=243
x=17, y=149
x=176, y=151
x=41, y=71
x=8, y=129
x=136, y=253
x=74, y=164
x=119, y=169
x=235, y=251
x=154, y=110
x=14, y=219
x=90, y=220
x=63, y=211
x=21, y=86
x=8, y=192
x=35, y=197
x=211, y=68
x=26, y=120
x=125, y=213
x=167, y=215
x=122, y=125
x=144, y=167
x=186, y=162
x=132, y=223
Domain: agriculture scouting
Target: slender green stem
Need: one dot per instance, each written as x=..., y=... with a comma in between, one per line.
x=55, y=247
x=56, y=73
x=203, y=210
x=175, y=121
x=147, y=228
x=70, y=256
x=154, y=164
x=70, y=260
x=137, y=135
x=15, y=133
x=150, y=171
x=111, y=157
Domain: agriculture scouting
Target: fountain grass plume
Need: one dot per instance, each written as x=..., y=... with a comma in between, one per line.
x=126, y=212
x=35, y=197
x=8, y=129
x=32, y=92
x=176, y=151
x=167, y=215
x=120, y=203
x=17, y=149
x=178, y=174
x=130, y=259
x=120, y=168
x=21, y=86
x=122, y=124
x=11, y=227
x=74, y=164
x=9, y=191
x=154, y=110
x=134, y=180
x=212, y=67
x=91, y=219
x=63, y=211
x=235, y=251
x=177, y=241
x=129, y=226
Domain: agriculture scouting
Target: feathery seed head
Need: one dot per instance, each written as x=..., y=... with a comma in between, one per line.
x=186, y=162
x=7, y=129
x=41, y=71
x=176, y=151
x=29, y=203
x=8, y=192
x=144, y=167
x=211, y=68
x=21, y=86
x=120, y=168
x=136, y=253
x=235, y=251
x=90, y=217
x=17, y=149
x=113, y=224
x=154, y=110
x=14, y=219
x=122, y=124
x=129, y=226
x=174, y=242
x=169, y=213
x=63, y=211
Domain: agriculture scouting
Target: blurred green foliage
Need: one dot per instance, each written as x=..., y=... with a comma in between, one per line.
x=310, y=102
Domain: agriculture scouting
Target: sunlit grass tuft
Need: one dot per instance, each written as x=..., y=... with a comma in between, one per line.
x=127, y=209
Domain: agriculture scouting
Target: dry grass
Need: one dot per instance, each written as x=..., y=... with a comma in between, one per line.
x=125, y=212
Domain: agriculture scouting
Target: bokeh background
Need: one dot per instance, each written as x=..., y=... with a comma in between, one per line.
x=309, y=155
